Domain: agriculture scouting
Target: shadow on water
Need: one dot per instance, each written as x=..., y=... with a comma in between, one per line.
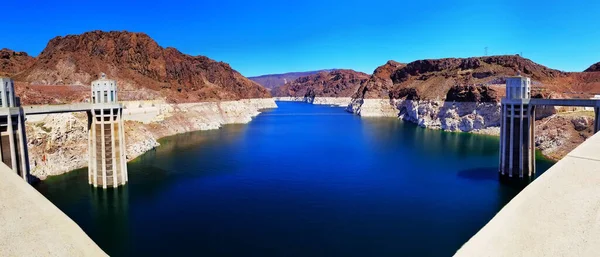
x=111, y=207
x=486, y=173
x=492, y=174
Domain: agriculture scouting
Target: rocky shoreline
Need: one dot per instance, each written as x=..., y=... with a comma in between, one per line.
x=58, y=143
x=557, y=133
x=336, y=101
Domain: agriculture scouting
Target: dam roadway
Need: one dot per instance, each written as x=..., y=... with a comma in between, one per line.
x=65, y=108
x=558, y=214
x=30, y=225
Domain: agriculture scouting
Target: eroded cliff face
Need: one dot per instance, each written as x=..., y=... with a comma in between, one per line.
x=463, y=94
x=557, y=133
x=58, y=142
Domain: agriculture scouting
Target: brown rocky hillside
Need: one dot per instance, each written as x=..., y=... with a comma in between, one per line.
x=380, y=83
x=457, y=77
x=336, y=83
x=143, y=69
x=271, y=81
x=595, y=67
x=12, y=62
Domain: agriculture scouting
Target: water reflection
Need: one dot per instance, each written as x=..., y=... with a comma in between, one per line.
x=184, y=142
x=110, y=216
x=389, y=132
x=488, y=173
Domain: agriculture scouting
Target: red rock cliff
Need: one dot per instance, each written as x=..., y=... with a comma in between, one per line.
x=143, y=69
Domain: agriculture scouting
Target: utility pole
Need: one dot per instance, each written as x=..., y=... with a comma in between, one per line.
x=485, y=50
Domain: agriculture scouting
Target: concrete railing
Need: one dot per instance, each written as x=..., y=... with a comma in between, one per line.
x=558, y=214
x=63, y=108
x=30, y=225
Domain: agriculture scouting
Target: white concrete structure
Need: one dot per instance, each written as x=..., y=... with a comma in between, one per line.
x=30, y=225
x=518, y=87
x=517, y=145
x=107, y=161
x=596, y=97
x=104, y=90
x=13, y=140
x=7, y=93
x=517, y=127
x=558, y=214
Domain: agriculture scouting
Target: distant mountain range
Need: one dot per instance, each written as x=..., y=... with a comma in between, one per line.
x=271, y=81
x=335, y=83
x=477, y=79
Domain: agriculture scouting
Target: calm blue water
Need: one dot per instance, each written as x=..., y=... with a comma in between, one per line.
x=300, y=180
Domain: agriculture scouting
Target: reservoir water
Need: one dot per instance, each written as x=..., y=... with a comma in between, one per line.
x=300, y=180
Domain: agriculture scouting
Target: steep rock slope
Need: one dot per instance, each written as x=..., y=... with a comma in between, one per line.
x=380, y=82
x=143, y=69
x=595, y=67
x=12, y=62
x=337, y=83
x=194, y=92
x=432, y=79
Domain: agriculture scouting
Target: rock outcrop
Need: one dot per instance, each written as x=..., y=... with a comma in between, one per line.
x=380, y=83
x=337, y=83
x=143, y=69
x=12, y=62
x=271, y=81
x=594, y=68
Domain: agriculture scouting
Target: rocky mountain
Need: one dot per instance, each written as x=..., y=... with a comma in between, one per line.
x=442, y=78
x=12, y=62
x=336, y=83
x=275, y=80
x=380, y=82
x=143, y=69
x=595, y=67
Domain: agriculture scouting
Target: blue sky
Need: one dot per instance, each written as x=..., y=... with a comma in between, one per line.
x=263, y=37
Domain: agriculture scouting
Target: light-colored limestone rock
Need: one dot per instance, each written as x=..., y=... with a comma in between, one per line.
x=373, y=108
x=58, y=142
x=459, y=116
x=335, y=101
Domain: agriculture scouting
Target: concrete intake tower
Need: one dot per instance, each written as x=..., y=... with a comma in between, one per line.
x=107, y=162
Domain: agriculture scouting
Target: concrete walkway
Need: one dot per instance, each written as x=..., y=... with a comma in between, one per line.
x=556, y=215
x=30, y=225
